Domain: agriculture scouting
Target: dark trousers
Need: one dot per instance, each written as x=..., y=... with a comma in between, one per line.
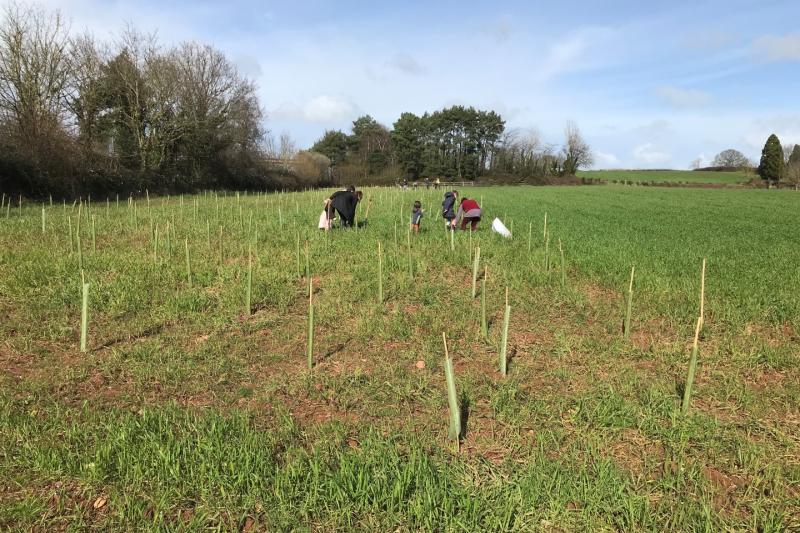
x=473, y=222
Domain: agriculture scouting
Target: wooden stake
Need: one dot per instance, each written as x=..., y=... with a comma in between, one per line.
x=629, y=305
x=380, y=274
x=310, y=344
x=188, y=264
x=84, y=316
x=702, y=294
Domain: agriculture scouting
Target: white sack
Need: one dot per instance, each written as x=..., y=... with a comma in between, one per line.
x=499, y=227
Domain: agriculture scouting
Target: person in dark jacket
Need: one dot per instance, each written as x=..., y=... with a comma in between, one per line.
x=344, y=203
x=449, y=209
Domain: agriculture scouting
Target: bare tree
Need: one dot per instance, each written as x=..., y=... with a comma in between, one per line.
x=696, y=163
x=730, y=158
x=130, y=93
x=793, y=174
x=288, y=148
x=34, y=75
x=576, y=152
x=84, y=98
x=268, y=145
x=788, y=148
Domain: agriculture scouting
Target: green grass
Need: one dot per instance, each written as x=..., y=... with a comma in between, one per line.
x=188, y=414
x=668, y=176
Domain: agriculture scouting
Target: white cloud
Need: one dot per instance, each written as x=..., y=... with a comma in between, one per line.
x=786, y=127
x=683, y=98
x=322, y=110
x=571, y=54
x=648, y=155
x=778, y=47
x=604, y=159
x=405, y=64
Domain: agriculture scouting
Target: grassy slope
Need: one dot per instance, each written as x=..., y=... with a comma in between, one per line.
x=184, y=413
x=678, y=176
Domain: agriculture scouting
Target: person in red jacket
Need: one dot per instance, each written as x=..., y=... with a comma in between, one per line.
x=469, y=211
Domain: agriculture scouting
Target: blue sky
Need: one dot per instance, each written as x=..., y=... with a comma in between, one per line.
x=649, y=85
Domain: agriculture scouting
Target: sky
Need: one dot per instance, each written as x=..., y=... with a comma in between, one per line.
x=650, y=85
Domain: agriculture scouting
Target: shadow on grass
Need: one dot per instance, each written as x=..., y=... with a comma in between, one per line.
x=147, y=332
x=463, y=407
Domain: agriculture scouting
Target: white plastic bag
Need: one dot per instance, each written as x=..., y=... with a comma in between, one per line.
x=324, y=223
x=499, y=227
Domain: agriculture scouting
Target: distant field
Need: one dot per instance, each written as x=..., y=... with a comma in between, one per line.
x=194, y=410
x=687, y=176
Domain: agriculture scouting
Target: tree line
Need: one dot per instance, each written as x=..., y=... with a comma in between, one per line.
x=78, y=116
x=778, y=162
x=457, y=142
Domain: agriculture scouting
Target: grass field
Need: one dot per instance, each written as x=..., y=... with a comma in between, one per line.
x=671, y=176
x=188, y=412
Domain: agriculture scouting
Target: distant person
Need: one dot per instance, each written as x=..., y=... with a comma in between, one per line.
x=427, y=183
x=344, y=203
x=436, y=183
x=416, y=216
x=449, y=209
x=469, y=211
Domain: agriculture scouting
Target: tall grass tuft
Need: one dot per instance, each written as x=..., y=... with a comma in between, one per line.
x=169, y=242
x=308, y=263
x=80, y=249
x=475, y=264
x=530, y=235
x=44, y=221
x=628, y=306
x=410, y=258
x=687, y=390
x=544, y=232
x=94, y=235
x=155, y=244
x=297, y=253
x=452, y=398
x=71, y=236
x=84, y=316
x=547, y=253
x=563, y=266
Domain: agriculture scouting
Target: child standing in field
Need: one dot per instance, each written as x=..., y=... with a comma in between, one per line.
x=416, y=216
x=449, y=209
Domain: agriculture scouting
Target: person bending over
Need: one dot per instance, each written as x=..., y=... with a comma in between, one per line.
x=469, y=211
x=344, y=203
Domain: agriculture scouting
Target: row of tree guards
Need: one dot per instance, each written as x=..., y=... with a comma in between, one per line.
x=455, y=431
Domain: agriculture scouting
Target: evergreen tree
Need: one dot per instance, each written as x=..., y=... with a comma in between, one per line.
x=794, y=157
x=771, y=166
x=333, y=144
x=407, y=140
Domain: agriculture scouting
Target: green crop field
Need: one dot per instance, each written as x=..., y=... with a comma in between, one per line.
x=193, y=406
x=670, y=176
